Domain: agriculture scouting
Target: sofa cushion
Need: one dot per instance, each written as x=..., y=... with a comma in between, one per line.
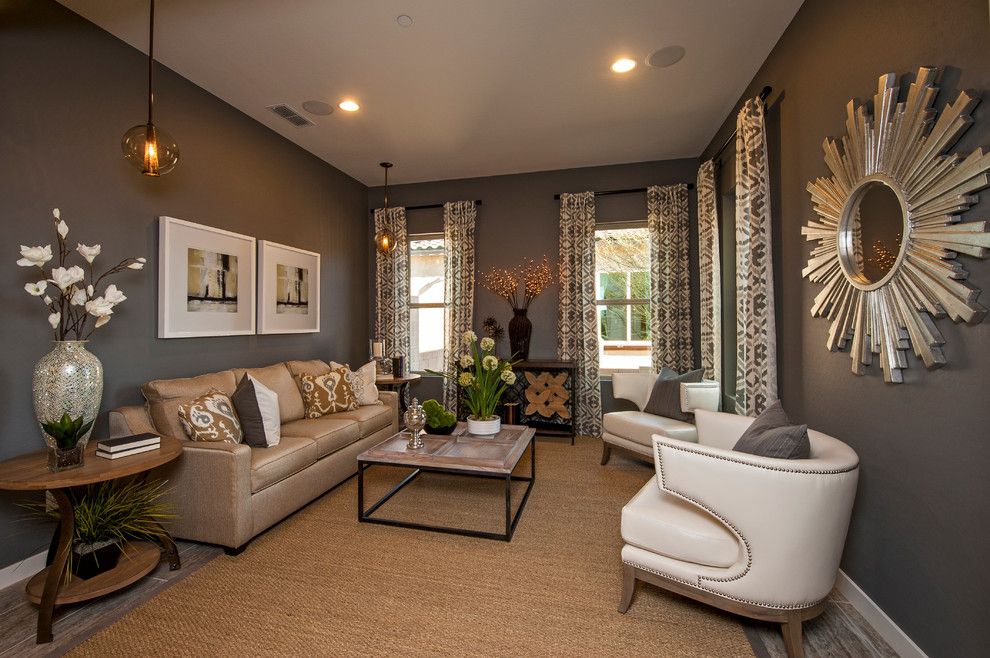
x=371, y=418
x=271, y=465
x=278, y=378
x=639, y=427
x=660, y=522
x=331, y=433
x=164, y=397
x=314, y=367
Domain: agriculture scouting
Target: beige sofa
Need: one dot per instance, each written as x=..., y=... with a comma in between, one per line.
x=224, y=493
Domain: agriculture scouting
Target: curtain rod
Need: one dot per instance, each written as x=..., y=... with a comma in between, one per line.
x=632, y=190
x=428, y=206
x=764, y=95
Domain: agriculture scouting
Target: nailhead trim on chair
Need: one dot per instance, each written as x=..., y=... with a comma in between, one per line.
x=806, y=471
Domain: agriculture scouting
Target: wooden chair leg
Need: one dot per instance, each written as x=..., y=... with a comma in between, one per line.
x=606, y=452
x=791, y=629
x=628, y=587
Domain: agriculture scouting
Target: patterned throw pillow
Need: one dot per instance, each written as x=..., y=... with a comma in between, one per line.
x=362, y=381
x=211, y=417
x=327, y=394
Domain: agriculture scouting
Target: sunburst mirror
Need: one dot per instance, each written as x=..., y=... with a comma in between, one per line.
x=889, y=230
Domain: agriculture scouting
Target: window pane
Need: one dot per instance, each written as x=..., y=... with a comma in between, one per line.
x=426, y=271
x=426, y=339
x=622, y=261
x=612, y=322
x=639, y=285
x=612, y=285
x=639, y=329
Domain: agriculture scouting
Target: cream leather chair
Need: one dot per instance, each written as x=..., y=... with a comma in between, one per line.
x=634, y=430
x=755, y=536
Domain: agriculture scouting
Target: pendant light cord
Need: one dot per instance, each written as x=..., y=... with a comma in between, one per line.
x=151, y=61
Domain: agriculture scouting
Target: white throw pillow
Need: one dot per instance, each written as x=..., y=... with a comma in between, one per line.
x=363, y=382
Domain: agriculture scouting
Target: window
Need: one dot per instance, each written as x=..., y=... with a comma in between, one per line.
x=622, y=284
x=426, y=307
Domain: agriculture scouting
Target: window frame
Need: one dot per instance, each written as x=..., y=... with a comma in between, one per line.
x=410, y=238
x=627, y=302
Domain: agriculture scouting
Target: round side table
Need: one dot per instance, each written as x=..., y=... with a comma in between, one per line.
x=49, y=588
x=399, y=385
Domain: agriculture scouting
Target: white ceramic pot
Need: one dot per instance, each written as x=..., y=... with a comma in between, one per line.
x=487, y=427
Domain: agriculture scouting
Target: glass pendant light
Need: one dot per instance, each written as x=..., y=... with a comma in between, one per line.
x=146, y=146
x=384, y=240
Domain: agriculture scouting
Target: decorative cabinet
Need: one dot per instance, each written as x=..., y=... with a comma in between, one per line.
x=544, y=397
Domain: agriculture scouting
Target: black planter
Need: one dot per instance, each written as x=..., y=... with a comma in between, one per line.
x=520, y=331
x=88, y=562
x=441, y=431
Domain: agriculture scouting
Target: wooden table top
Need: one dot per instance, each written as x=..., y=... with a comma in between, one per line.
x=30, y=472
x=390, y=379
x=459, y=451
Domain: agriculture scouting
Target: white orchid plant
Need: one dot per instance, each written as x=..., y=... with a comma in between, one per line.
x=483, y=377
x=70, y=291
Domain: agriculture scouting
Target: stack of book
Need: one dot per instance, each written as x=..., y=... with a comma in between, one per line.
x=127, y=445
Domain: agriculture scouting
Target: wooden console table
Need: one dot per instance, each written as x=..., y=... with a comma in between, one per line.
x=52, y=586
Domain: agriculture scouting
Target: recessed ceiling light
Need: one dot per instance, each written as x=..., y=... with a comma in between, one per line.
x=623, y=65
x=405, y=20
x=348, y=106
x=318, y=107
x=665, y=57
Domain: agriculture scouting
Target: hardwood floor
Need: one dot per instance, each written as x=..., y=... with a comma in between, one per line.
x=839, y=632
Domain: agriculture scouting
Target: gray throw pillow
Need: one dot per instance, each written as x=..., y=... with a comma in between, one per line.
x=665, y=399
x=773, y=435
x=257, y=409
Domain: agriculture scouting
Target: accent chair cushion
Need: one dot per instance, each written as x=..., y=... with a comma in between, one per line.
x=310, y=367
x=665, y=399
x=362, y=381
x=210, y=417
x=773, y=435
x=639, y=427
x=331, y=433
x=659, y=522
x=164, y=397
x=327, y=394
x=291, y=455
x=257, y=409
x=278, y=378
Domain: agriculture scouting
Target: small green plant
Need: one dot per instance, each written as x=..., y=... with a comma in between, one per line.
x=67, y=432
x=436, y=416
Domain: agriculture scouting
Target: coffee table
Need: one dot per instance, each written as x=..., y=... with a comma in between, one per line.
x=460, y=453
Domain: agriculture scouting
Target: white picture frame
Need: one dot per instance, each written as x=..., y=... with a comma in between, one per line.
x=206, y=281
x=288, y=289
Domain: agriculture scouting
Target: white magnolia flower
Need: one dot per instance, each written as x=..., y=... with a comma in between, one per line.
x=63, y=278
x=487, y=344
x=78, y=297
x=467, y=360
x=63, y=228
x=99, y=307
x=102, y=320
x=113, y=295
x=53, y=319
x=90, y=290
x=489, y=362
x=469, y=337
x=89, y=253
x=508, y=377
x=138, y=264
x=35, y=256
x=56, y=213
x=36, y=289
x=47, y=299
x=466, y=379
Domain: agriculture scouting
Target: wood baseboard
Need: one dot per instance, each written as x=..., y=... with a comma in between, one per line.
x=877, y=618
x=25, y=568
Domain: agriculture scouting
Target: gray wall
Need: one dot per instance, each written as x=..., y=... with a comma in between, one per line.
x=519, y=218
x=919, y=534
x=70, y=90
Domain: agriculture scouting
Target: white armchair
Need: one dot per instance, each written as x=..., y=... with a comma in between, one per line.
x=634, y=430
x=752, y=535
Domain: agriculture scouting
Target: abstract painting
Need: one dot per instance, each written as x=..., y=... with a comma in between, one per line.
x=288, y=289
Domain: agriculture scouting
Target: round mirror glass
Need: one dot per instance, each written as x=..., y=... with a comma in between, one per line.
x=872, y=235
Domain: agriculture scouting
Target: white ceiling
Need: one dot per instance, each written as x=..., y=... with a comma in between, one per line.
x=473, y=87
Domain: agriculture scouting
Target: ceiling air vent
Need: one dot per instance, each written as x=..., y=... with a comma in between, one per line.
x=290, y=115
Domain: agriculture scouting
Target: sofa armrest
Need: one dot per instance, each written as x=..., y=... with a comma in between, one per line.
x=126, y=421
x=700, y=395
x=210, y=493
x=791, y=516
x=391, y=399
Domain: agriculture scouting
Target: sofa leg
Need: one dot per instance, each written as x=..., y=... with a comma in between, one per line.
x=628, y=587
x=791, y=630
x=606, y=452
x=233, y=552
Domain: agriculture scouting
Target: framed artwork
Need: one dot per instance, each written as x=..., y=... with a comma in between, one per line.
x=288, y=289
x=206, y=281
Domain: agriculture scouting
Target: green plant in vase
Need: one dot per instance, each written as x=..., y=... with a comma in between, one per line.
x=66, y=432
x=438, y=419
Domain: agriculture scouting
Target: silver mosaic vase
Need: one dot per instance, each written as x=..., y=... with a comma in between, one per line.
x=69, y=379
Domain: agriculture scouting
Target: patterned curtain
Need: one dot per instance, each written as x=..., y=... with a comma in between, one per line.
x=458, y=294
x=709, y=274
x=392, y=284
x=670, y=279
x=756, y=337
x=577, y=317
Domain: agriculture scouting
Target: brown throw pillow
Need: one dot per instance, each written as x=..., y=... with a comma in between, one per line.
x=773, y=435
x=665, y=399
x=327, y=394
x=211, y=417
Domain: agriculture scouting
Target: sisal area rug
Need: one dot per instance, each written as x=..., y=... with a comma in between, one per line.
x=320, y=583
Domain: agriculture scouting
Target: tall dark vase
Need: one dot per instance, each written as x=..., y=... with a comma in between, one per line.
x=520, y=330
